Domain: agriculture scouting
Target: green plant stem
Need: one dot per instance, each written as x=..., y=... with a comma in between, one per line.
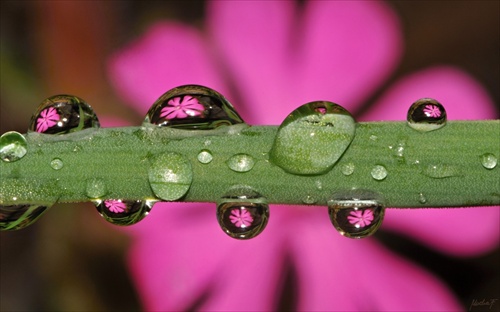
x=440, y=168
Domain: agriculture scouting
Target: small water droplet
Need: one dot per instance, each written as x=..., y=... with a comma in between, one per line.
x=242, y=213
x=421, y=198
x=373, y=137
x=379, y=172
x=77, y=148
x=15, y=217
x=205, y=157
x=313, y=138
x=318, y=184
x=96, y=188
x=241, y=162
x=60, y=114
x=123, y=212
x=356, y=213
x=170, y=176
x=440, y=171
x=426, y=115
x=489, y=161
x=192, y=107
x=13, y=146
x=56, y=164
x=347, y=169
x=309, y=200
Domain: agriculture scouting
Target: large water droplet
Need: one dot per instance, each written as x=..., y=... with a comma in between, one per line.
x=96, y=188
x=426, y=115
x=15, y=217
x=192, y=107
x=13, y=146
x=489, y=161
x=356, y=213
x=56, y=164
x=242, y=213
x=379, y=172
x=123, y=212
x=170, y=176
x=241, y=162
x=313, y=138
x=60, y=114
x=205, y=157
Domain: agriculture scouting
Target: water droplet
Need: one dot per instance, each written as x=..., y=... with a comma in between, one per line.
x=379, y=172
x=60, y=114
x=440, y=171
x=309, y=200
x=15, y=217
x=373, y=137
x=192, y=107
x=96, y=188
x=347, y=169
x=489, y=161
x=310, y=141
x=123, y=212
x=242, y=213
x=13, y=146
x=241, y=162
x=77, y=148
x=170, y=176
x=56, y=164
x=318, y=184
x=205, y=157
x=421, y=198
x=357, y=213
x=426, y=115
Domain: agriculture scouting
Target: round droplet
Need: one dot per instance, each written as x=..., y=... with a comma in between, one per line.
x=123, y=212
x=489, y=161
x=15, y=217
x=242, y=213
x=426, y=115
x=356, y=214
x=96, y=188
x=241, y=162
x=379, y=172
x=170, y=176
x=313, y=138
x=13, y=146
x=347, y=169
x=192, y=107
x=205, y=157
x=60, y=114
x=56, y=164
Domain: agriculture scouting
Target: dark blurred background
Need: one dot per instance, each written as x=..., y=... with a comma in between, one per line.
x=71, y=260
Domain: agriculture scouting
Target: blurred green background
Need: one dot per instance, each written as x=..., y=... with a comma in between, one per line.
x=71, y=260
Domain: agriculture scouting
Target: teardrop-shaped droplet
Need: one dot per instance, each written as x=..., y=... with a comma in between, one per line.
x=489, y=161
x=313, y=138
x=426, y=115
x=192, y=107
x=123, y=212
x=170, y=176
x=242, y=213
x=357, y=213
x=15, y=217
x=241, y=162
x=62, y=114
x=13, y=146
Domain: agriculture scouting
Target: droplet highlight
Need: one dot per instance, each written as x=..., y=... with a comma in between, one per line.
x=379, y=172
x=123, y=212
x=205, y=157
x=242, y=213
x=192, y=107
x=426, y=114
x=56, y=164
x=62, y=114
x=170, y=176
x=241, y=162
x=357, y=213
x=13, y=146
x=313, y=138
x=15, y=217
x=489, y=161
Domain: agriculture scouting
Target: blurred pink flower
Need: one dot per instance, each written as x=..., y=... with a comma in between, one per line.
x=268, y=58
